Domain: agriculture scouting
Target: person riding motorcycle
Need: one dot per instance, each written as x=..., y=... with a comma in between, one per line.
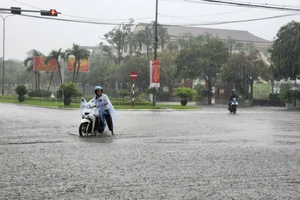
x=232, y=95
x=106, y=109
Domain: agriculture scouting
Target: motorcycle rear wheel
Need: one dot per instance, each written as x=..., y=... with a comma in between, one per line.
x=83, y=132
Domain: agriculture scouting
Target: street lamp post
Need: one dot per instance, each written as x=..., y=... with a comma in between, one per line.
x=3, y=57
x=155, y=46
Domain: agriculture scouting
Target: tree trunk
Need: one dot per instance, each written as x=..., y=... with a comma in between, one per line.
x=77, y=71
x=209, y=82
x=83, y=89
x=39, y=80
x=50, y=81
x=74, y=71
x=251, y=89
x=36, y=80
x=59, y=72
x=119, y=56
x=148, y=57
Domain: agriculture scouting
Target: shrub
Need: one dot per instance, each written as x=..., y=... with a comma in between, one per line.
x=21, y=90
x=184, y=92
x=39, y=93
x=68, y=90
x=143, y=96
x=199, y=90
x=123, y=93
x=288, y=96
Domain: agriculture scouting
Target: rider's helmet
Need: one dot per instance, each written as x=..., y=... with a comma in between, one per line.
x=233, y=91
x=97, y=88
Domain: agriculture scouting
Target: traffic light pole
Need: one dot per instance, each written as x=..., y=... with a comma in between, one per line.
x=17, y=10
x=3, y=57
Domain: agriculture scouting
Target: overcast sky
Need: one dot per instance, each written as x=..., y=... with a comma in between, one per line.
x=25, y=33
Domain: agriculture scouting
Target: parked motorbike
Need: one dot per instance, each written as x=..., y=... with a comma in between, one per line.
x=90, y=123
x=233, y=105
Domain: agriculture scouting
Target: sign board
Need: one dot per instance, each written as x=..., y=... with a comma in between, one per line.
x=155, y=73
x=133, y=75
x=84, y=65
x=40, y=65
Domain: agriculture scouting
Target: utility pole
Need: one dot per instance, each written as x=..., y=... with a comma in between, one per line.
x=155, y=47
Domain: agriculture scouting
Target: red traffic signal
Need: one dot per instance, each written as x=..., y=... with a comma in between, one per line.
x=51, y=12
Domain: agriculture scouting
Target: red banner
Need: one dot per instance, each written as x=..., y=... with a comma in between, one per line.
x=84, y=65
x=155, y=73
x=40, y=65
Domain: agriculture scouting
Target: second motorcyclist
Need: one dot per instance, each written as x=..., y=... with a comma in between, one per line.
x=232, y=95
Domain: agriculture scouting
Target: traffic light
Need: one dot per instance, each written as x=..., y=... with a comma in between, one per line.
x=15, y=10
x=51, y=12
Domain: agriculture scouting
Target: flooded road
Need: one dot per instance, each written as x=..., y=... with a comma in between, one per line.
x=161, y=154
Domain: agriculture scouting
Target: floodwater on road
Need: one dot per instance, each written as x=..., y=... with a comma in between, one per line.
x=161, y=154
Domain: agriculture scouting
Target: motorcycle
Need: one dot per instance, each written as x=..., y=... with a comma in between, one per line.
x=233, y=105
x=90, y=123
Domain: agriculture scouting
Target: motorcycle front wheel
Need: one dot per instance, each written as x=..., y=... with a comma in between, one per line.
x=83, y=129
x=234, y=109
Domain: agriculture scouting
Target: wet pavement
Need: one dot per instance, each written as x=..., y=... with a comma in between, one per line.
x=162, y=154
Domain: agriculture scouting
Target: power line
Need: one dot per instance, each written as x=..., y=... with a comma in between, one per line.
x=79, y=17
x=241, y=21
x=216, y=2
x=216, y=14
x=238, y=3
x=200, y=24
x=252, y=5
x=70, y=20
x=27, y=5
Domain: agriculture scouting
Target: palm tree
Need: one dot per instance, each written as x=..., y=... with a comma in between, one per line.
x=145, y=36
x=163, y=36
x=79, y=54
x=55, y=55
x=29, y=64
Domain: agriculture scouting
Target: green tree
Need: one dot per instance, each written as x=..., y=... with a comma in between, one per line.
x=55, y=55
x=172, y=46
x=79, y=54
x=185, y=39
x=99, y=66
x=243, y=69
x=14, y=74
x=146, y=37
x=231, y=43
x=285, y=52
x=202, y=59
x=138, y=63
x=163, y=37
x=117, y=38
x=29, y=62
x=168, y=68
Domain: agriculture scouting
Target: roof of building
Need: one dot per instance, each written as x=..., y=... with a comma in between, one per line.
x=223, y=34
x=91, y=47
